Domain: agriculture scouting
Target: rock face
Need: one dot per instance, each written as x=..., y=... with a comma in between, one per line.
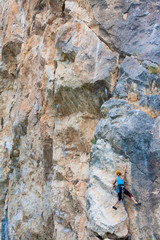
x=130, y=26
x=102, y=220
x=84, y=69
x=79, y=98
x=125, y=137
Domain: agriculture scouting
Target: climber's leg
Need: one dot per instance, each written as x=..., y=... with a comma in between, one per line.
x=119, y=191
x=116, y=203
x=114, y=206
x=131, y=196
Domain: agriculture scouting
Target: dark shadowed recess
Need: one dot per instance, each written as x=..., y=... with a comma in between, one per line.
x=47, y=156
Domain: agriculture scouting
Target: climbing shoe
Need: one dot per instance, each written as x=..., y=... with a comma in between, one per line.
x=114, y=208
x=138, y=203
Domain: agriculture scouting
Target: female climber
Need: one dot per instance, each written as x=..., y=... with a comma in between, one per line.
x=121, y=189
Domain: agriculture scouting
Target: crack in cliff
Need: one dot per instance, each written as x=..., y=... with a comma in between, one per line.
x=109, y=236
x=130, y=6
x=144, y=172
x=111, y=45
x=126, y=156
x=149, y=60
x=104, y=186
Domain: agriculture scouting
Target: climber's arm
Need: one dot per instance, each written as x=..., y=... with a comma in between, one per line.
x=114, y=182
x=124, y=171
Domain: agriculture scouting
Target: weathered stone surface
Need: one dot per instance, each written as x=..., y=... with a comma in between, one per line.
x=84, y=69
x=101, y=195
x=131, y=27
x=137, y=79
x=131, y=133
x=6, y=79
x=45, y=172
x=139, y=82
x=152, y=102
x=70, y=167
x=56, y=71
x=74, y=9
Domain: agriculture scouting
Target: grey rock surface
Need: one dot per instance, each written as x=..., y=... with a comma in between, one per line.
x=133, y=136
x=131, y=27
x=136, y=78
x=153, y=102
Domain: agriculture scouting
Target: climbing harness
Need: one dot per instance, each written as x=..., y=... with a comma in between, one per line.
x=120, y=192
x=120, y=188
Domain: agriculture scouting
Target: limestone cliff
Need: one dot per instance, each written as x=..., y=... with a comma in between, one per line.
x=79, y=98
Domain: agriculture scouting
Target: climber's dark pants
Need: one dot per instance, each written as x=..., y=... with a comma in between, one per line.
x=122, y=190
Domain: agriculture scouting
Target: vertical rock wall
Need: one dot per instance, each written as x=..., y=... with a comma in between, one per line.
x=74, y=73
